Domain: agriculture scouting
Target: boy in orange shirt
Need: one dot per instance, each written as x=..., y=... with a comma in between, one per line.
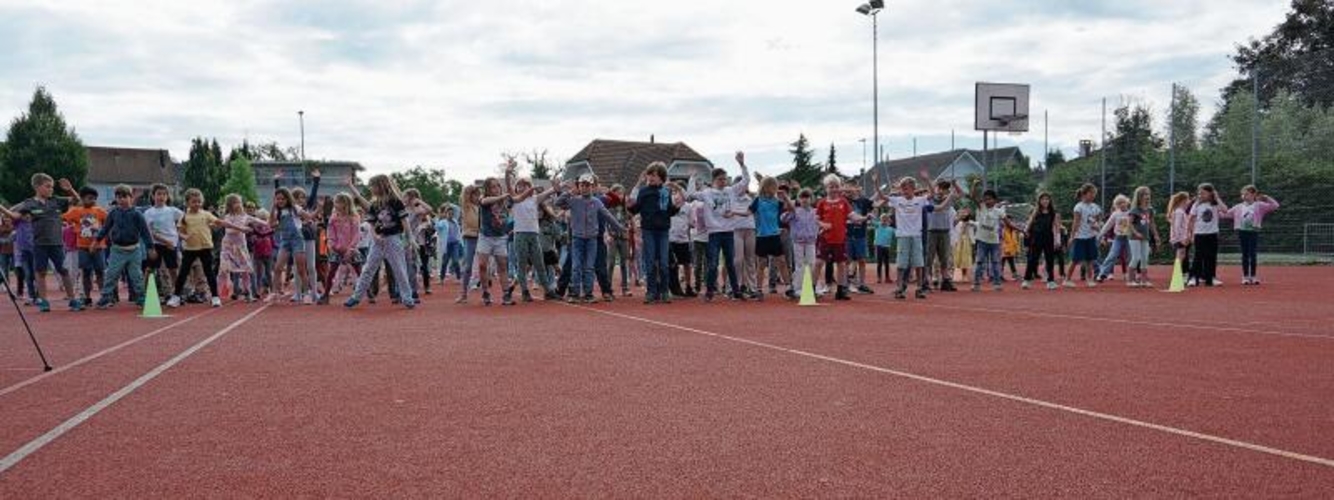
x=88, y=219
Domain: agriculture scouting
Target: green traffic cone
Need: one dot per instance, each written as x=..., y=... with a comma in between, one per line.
x=1178, y=281
x=807, y=288
x=152, y=307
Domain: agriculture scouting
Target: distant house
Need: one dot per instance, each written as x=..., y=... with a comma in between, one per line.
x=333, y=176
x=956, y=164
x=621, y=162
x=138, y=168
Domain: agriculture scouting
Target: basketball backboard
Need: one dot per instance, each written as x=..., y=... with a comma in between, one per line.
x=1001, y=107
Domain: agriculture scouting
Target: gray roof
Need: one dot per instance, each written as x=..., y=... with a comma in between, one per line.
x=935, y=164
x=130, y=166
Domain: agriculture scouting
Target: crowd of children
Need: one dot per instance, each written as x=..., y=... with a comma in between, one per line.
x=678, y=238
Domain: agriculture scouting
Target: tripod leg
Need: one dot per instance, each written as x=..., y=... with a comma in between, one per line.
x=14, y=300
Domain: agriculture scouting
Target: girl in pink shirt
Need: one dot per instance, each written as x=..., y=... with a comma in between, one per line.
x=343, y=235
x=1247, y=218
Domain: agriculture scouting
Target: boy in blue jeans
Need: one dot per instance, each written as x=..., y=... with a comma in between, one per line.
x=586, y=212
x=127, y=232
x=45, y=212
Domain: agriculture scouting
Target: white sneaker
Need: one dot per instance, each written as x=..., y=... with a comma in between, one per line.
x=217, y=302
x=1255, y=281
x=1025, y=284
x=174, y=301
x=1069, y=284
x=1051, y=285
x=1093, y=284
x=1218, y=282
x=1193, y=283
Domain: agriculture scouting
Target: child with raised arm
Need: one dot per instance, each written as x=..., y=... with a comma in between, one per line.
x=1084, y=232
x=1248, y=218
x=586, y=213
x=991, y=220
x=1204, y=217
x=386, y=212
x=43, y=212
x=528, y=237
x=939, y=223
x=717, y=213
x=470, y=220
x=196, y=228
x=909, y=210
x=127, y=232
x=654, y=203
x=495, y=209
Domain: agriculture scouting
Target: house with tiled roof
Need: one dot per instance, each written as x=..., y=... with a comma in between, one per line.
x=957, y=164
x=621, y=162
x=137, y=168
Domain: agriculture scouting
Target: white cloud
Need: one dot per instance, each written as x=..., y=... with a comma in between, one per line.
x=452, y=84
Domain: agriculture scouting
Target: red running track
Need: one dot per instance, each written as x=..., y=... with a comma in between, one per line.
x=696, y=400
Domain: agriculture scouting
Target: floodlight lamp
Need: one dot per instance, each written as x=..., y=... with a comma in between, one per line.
x=865, y=9
x=877, y=4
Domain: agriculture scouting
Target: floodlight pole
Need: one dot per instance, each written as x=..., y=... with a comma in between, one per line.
x=1102, y=186
x=875, y=78
x=1255, y=123
x=1172, y=144
x=301, y=115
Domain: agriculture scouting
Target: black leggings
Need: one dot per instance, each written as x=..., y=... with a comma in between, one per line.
x=882, y=263
x=188, y=258
x=1205, y=266
x=1047, y=252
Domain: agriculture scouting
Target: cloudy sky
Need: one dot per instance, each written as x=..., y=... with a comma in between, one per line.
x=453, y=84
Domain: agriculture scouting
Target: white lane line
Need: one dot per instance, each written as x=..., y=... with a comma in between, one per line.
x=987, y=392
x=45, y=439
x=1186, y=324
x=69, y=366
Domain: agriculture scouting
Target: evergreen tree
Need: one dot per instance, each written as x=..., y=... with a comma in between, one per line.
x=831, y=167
x=804, y=171
x=40, y=141
x=1183, y=120
x=203, y=170
x=241, y=180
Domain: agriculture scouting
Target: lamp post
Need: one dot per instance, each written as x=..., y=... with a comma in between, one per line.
x=872, y=9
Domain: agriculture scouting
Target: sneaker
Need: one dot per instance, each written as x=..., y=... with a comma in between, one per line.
x=865, y=290
x=486, y=298
x=666, y=299
x=103, y=304
x=463, y=299
x=1193, y=282
x=900, y=295
x=1025, y=285
x=921, y=294
x=352, y=302
x=174, y=301
x=1255, y=281
x=948, y=286
x=650, y=300
x=997, y=287
x=43, y=305
x=527, y=296
x=1217, y=282
x=976, y=287
x=1069, y=284
x=791, y=294
x=607, y=297
x=588, y=299
x=549, y=295
x=708, y=296
x=842, y=294
x=217, y=302
x=324, y=300
x=76, y=305
x=505, y=300
x=1051, y=285
x=571, y=299
x=1093, y=284
x=821, y=290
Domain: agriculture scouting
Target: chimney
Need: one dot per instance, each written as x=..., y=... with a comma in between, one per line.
x=1085, y=148
x=651, y=139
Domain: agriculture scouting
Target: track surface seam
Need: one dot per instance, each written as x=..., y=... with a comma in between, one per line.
x=37, y=444
x=987, y=392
